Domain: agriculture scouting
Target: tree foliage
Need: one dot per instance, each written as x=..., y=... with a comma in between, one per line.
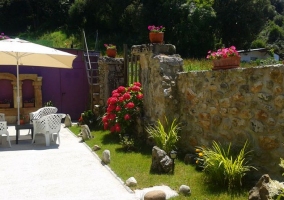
x=194, y=26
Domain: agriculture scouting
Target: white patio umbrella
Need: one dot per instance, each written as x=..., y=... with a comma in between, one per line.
x=21, y=52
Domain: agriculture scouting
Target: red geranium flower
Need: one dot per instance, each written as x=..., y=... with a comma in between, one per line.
x=130, y=105
x=127, y=117
x=139, y=96
x=126, y=96
x=121, y=89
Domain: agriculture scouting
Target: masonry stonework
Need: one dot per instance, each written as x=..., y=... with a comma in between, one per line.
x=228, y=106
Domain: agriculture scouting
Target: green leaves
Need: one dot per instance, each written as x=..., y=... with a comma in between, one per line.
x=222, y=168
x=164, y=134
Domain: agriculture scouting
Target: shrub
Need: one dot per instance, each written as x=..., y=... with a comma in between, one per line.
x=89, y=118
x=221, y=168
x=123, y=107
x=164, y=135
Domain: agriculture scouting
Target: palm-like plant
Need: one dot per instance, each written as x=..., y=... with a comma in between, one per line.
x=164, y=135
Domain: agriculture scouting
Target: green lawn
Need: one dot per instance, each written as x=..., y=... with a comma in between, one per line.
x=137, y=164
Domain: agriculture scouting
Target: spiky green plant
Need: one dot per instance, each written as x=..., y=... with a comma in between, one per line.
x=164, y=135
x=221, y=168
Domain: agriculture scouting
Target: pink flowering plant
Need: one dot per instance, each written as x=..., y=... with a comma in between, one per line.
x=123, y=107
x=222, y=53
x=110, y=46
x=156, y=29
x=3, y=36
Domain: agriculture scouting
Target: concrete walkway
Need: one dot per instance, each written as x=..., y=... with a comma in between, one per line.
x=70, y=171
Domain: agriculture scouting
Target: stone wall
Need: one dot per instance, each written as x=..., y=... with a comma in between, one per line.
x=111, y=76
x=228, y=106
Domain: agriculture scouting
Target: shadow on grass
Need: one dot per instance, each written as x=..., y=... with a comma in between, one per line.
x=110, y=139
x=234, y=193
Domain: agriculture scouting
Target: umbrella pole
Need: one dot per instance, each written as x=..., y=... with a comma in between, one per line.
x=18, y=93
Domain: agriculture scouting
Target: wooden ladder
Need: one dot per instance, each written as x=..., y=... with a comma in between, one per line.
x=91, y=59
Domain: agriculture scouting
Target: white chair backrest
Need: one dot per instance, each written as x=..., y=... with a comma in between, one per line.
x=42, y=112
x=2, y=117
x=54, y=122
x=3, y=127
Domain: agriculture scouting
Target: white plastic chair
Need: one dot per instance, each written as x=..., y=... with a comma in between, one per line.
x=2, y=117
x=3, y=130
x=41, y=112
x=48, y=125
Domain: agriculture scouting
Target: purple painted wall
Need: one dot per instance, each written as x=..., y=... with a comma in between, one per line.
x=68, y=89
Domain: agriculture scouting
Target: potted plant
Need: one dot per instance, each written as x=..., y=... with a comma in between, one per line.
x=224, y=58
x=156, y=34
x=3, y=37
x=110, y=50
x=22, y=119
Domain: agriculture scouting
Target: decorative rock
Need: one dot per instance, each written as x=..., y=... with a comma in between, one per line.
x=185, y=190
x=265, y=189
x=131, y=182
x=67, y=121
x=85, y=132
x=155, y=195
x=96, y=147
x=106, y=156
x=161, y=162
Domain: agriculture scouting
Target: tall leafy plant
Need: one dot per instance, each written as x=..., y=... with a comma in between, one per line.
x=164, y=134
x=222, y=168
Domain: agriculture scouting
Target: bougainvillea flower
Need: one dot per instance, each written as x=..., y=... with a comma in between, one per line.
x=117, y=127
x=126, y=96
x=121, y=89
x=105, y=125
x=104, y=119
x=116, y=94
x=130, y=105
x=111, y=107
x=127, y=117
x=120, y=99
x=112, y=100
x=111, y=116
x=114, y=91
x=137, y=84
x=118, y=108
x=139, y=96
x=135, y=88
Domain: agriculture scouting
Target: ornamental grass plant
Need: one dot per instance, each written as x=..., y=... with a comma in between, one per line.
x=165, y=134
x=223, y=168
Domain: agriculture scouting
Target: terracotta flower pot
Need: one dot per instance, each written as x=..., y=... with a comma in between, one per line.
x=156, y=37
x=111, y=53
x=226, y=63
